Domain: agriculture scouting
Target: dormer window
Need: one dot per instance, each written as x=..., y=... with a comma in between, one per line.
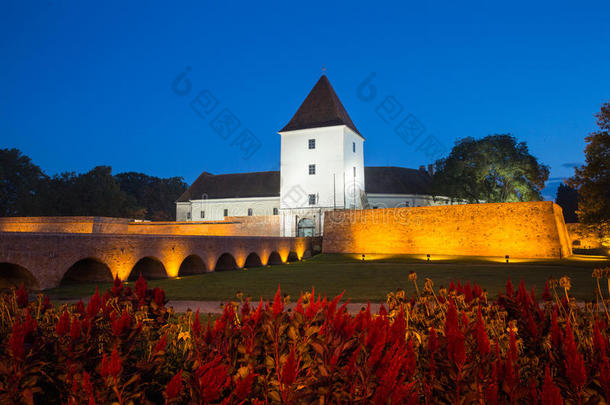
x=312, y=144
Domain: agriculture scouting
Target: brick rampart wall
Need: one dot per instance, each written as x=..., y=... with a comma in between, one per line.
x=526, y=230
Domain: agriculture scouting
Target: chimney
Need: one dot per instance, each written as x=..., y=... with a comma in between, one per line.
x=431, y=170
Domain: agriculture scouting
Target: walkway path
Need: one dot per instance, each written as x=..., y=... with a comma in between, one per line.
x=215, y=307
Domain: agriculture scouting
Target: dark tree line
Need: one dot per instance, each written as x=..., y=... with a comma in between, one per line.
x=25, y=190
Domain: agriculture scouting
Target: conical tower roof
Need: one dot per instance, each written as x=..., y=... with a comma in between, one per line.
x=321, y=108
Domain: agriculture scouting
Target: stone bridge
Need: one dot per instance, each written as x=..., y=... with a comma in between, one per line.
x=45, y=260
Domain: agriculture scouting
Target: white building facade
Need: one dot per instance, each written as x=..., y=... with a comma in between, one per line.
x=322, y=168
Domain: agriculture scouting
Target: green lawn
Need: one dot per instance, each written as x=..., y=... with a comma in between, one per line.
x=363, y=281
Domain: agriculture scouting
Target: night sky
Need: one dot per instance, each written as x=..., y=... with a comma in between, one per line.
x=92, y=84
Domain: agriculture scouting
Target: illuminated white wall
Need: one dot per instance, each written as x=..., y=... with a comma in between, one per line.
x=333, y=183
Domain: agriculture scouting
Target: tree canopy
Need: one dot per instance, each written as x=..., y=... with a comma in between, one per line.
x=21, y=184
x=495, y=168
x=156, y=195
x=567, y=199
x=26, y=191
x=592, y=180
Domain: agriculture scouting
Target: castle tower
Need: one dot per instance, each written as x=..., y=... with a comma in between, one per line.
x=322, y=163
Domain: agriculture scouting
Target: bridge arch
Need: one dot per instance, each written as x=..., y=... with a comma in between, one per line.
x=225, y=261
x=293, y=257
x=150, y=267
x=191, y=265
x=274, y=258
x=253, y=260
x=13, y=275
x=87, y=270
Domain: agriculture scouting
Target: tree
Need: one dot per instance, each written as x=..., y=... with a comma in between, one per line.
x=567, y=199
x=22, y=185
x=593, y=179
x=154, y=195
x=495, y=168
x=95, y=193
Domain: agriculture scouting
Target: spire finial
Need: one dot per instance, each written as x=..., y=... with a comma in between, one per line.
x=323, y=69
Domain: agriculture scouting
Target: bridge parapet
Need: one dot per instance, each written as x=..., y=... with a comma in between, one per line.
x=43, y=260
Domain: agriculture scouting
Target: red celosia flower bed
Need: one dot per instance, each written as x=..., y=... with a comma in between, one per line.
x=439, y=346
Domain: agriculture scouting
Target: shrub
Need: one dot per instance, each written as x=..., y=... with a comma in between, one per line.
x=447, y=345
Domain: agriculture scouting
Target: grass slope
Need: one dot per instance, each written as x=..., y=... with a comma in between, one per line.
x=363, y=281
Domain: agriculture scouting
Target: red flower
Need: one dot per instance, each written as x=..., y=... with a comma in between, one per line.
x=63, y=325
x=117, y=286
x=245, y=308
x=299, y=307
x=46, y=303
x=483, y=344
x=174, y=386
x=75, y=329
x=87, y=385
x=550, y=394
x=511, y=373
x=141, y=287
x=161, y=345
x=17, y=340
x=290, y=369
x=258, y=313
x=555, y=331
x=196, y=325
x=243, y=386
x=513, y=352
x=510, y=290
x=599, y=342
x=604, y=377
x=22, y=296
x=546, y=295
x=574, y=362
x=455, y=337
x=80, y=307
x=94, y=305
x=212, y=379
x=491, y=388
x=159, y=296
x=278, y=303
x=432, y=341
x=121, y=324
x=410, y=361
x=111, y=367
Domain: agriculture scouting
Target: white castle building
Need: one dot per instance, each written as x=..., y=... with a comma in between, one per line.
x=322, y=168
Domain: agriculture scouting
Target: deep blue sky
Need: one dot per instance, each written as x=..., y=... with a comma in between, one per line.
x=91, y=84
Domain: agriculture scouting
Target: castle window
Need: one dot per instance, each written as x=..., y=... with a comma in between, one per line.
x=312, y=144
x=312, y=199
x=249, y=212
x=202, y=214
x=312, y=169
x=354, y=171
x=276, y=211
x=406, y=203
x=354, y=147
x=225, y=212
x=188, y=215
